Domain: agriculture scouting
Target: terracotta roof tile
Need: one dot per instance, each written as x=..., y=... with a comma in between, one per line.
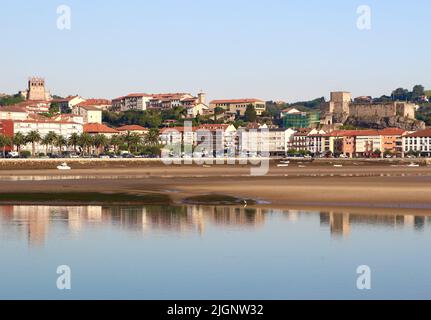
x=420, y=134
x=132, y=128
x=98, y=128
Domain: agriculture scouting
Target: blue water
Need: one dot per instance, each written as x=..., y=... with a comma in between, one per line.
x=211, y=253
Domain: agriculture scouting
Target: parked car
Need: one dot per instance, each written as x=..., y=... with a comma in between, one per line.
x=54, y=156
x=128, y=156
x=12, y=154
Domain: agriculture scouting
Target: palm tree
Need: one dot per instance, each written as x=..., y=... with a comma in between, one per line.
x=116, y=141
x=5, y=141
x=33, y=137
x=51, y=138
x=74, y=140
x=85, y=142
x=100, y=141
x=152, y=137
x=45, y=142
x=19, y=140
x=60, y=142
x=133, y=140
x=126, y=138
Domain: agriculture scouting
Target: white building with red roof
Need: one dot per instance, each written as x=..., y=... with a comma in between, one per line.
x=44, y=125
x=89, y=113
x=13, y=113
x=101, y=104
x=97, y=128
x=68, y=103
x=144, y=101
x=418, y=142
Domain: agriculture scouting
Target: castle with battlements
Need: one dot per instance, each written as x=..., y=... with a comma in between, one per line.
x=36, y=90
x=341, y=107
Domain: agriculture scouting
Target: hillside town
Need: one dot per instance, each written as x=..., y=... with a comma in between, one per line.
x=35, y=124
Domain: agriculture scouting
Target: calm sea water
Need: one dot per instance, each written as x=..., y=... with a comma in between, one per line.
x=211, y=253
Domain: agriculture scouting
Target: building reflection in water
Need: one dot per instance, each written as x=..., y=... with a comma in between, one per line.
x=33, y=222
x=340, y=223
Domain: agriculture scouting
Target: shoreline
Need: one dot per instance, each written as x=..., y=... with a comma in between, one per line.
x=383, y=186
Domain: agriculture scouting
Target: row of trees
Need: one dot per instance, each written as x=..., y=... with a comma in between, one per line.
x=406, y=95
x=11, y=100
x=85, y=142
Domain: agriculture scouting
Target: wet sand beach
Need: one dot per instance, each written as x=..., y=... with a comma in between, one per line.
x=356, y=184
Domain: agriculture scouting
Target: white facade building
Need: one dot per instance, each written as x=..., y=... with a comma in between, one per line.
x=63, y=128
x=13, y=113
x=418, y=142
x=136, y=102
x=89, y=114
x=271, y=141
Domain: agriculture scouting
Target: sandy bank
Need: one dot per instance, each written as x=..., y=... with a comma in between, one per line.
x=385, y=186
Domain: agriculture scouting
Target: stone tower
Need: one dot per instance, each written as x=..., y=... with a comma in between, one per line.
x=36, y=89
x=341, y=102
x=202, y=97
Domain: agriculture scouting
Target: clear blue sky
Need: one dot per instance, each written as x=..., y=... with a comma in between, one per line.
x=273, y=49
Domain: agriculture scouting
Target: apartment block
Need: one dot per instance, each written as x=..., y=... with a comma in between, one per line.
x=273, y=142
x=239, y=106
x=418, y=142
x=90, y=114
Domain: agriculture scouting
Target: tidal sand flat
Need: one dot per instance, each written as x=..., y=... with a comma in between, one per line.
x=371, y=186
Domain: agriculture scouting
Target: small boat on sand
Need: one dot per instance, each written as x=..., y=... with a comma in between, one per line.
x=338, y=165
x=283, y=165
x=64, y=166
x=413, y=165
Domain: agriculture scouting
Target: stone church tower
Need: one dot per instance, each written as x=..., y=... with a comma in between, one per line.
x=36, y=89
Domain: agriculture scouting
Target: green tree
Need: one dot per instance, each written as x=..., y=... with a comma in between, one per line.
x=400, y=94
x=51, y=138
x=250, y=114
x=45, y=141
x=11, y=100
x=54, y=108
x=218, y=110
x=292, y=152
x=377, y=152
x=116, y=141
x=100, y=142
x=133, y=140
x=60, y=142
x=5, y=142
x=18, y=141
x=154, y=120
x=152, y=137
x=33, y=137
x=74, y=141
x=86, y=142
x=417, y=92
